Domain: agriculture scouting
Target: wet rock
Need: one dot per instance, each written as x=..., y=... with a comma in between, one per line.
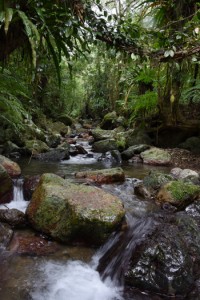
x=105, y=146
x=178, y=193
x=168, y=260
x=6, y=186
x=81, y=149
x=112, y=157
x=13, y=217
x=103, y=176
x=156, y=157
x=141, y=191
x=57, y=154
x=69, y=212
x=6, y=234
x=11, y=167
x=29, y=186
x=53, y=140
x=77, y=149
x=32, y=245
x=131, y=151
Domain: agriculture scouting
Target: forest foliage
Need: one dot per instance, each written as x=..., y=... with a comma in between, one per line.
x=87, y=58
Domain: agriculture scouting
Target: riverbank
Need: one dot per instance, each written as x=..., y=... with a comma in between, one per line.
x=184, y=159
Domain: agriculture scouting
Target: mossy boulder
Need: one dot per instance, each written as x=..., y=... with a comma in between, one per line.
x=100, y=134
x=70, y=212
x=35, y=147
x=66, y=119
x=137, y=137
x=103, y=176
x=178, y=193
x=58, y=128
x=6, y=186
x=156, y=156
x=131, y=151
x=105, y=146
x=11, y=167
x=109, y=120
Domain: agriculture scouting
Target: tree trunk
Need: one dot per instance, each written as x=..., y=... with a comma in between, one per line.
x=168, y=99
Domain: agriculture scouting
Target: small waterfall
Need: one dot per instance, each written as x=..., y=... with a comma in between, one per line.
x=102, y=279
x=116, y=254
x=18, y=190
x=18, y=201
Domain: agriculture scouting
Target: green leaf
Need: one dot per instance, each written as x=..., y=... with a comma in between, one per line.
x=8, y=19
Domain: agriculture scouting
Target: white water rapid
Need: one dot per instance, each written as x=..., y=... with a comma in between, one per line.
x=74, y=280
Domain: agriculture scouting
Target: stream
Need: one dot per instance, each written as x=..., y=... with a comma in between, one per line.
x=73, y=272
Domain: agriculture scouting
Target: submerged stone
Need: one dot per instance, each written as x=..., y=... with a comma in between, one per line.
x=70, y=212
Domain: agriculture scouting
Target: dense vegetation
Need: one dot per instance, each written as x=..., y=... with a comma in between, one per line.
x=87, y=58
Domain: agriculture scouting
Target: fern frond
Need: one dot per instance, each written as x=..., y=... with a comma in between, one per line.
x=32, y=34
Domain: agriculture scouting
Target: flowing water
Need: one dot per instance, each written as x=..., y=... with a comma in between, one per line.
x=74, y=273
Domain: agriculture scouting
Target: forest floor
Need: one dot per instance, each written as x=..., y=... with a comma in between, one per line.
x=184, y=159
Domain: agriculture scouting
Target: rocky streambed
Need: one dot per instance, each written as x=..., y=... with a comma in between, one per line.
x=146, y=210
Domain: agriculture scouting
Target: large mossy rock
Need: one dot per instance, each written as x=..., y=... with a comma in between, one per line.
x=178, y=193
x=137, y=137
x=100, y=134
x=69, y=212
x=105, y=146
x=156, y=157
x=58, y=128
x=66, y=119
x=6, y=186
x=35, y=147
x=111, y=120
x=12, y=168
x=103, y=176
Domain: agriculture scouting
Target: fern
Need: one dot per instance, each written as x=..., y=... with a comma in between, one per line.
x=11, y=108
x=143, y=105
x=191, y=93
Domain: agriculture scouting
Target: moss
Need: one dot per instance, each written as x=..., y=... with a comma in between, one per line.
x=155, y=179
x=180, y=190
x=121, y=142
